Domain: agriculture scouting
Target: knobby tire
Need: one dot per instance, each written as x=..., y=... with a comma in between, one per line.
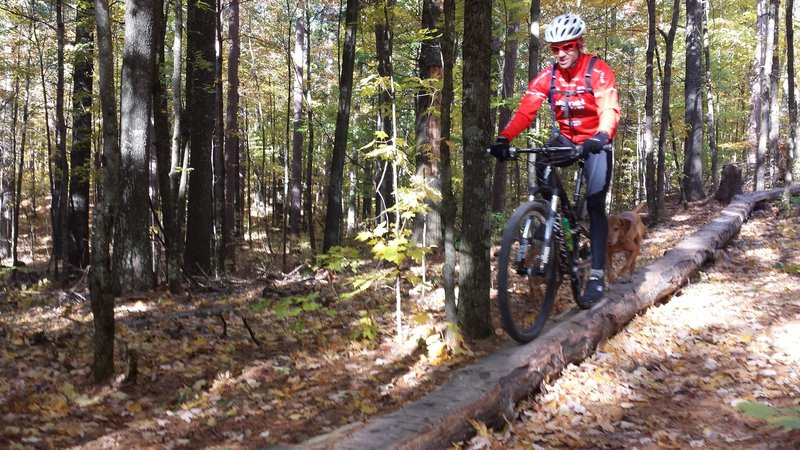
x=525, y=301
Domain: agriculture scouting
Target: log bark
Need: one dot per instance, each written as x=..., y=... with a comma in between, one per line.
x=488, y=389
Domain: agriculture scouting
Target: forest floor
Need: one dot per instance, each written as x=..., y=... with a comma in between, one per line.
x=279, y=358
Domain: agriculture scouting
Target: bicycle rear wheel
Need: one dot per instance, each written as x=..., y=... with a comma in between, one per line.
x=526, y=287
x=582, y=262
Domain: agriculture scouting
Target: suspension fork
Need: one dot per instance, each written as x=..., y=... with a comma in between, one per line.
x=550, y=223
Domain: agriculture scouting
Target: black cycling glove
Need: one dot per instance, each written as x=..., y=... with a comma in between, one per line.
x=595, y=143
x=500, y=149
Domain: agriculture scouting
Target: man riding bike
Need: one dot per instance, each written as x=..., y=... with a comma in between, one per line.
x=584, y=103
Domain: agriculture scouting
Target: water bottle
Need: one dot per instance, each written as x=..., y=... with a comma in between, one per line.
x=567, y=232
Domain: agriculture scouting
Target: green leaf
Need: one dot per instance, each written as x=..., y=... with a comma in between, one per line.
x=757, y=410
x=787, y=422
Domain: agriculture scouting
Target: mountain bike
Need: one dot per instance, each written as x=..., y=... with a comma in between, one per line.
x=545, y=241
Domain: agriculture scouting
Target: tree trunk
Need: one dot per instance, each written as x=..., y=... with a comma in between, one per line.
x=177, y=177
x=21, y=165
x=384, y=195
x=754, y=126
x=132, y=250
x=711, y=125
x=500, y=179
x=449, y=208
x=333, y=217
x=200, y=110
x=61, y=178
x=773, y=152
x=308, y=202
x=296, y=176
x=533, y=69
x=792, y=166
x=649, y=156
x=80, y=161
x=232, y=141
x=474, y=275
x=102, y=276
x=666, y=90
x=693, y=146
x=770, y=46
x=218, y=147
x=428, y=227
x=163, y=149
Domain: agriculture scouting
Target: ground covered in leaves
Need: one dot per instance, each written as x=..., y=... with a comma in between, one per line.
x=283, y=357
x=717, y=366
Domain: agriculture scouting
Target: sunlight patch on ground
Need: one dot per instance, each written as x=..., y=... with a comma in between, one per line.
x=786, y=338
x=764, y=254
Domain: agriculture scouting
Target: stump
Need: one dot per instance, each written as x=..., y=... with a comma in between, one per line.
x=731, y=183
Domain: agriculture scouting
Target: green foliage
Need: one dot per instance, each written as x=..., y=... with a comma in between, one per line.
x=792, y=269
x=339, y=259
x=498, y=222
x=788, y=418
x=293, y=309
x=364, y=328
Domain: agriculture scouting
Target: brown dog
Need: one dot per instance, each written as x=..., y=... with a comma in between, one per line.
x=625, y=234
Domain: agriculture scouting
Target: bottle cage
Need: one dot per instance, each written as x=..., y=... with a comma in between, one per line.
x=588, y=88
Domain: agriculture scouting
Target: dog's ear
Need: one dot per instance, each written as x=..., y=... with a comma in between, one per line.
x=626, y=224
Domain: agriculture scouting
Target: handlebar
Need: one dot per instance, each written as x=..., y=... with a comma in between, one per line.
x=567, y=151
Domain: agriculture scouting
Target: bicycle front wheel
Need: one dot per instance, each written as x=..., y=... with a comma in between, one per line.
x=526, y=286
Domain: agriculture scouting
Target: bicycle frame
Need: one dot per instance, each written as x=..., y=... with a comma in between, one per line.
x=551, y=184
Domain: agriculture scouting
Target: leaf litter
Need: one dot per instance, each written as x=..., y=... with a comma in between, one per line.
x=239, y=376
x=674, y=376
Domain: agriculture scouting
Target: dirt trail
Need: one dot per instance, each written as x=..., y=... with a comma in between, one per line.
x=672, y=378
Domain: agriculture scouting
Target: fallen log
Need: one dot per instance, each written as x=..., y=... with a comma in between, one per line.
x=488, y=390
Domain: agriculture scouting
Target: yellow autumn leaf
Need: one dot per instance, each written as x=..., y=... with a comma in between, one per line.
x=57, y=405
x=134, y=408
x=72, y=429
x=367, y=408
x=436, y=349
x=68, y=389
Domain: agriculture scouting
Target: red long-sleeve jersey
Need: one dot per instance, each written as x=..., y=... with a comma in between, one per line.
x=580, y=114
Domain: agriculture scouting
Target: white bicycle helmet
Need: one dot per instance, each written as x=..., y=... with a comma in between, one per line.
x=565, y=27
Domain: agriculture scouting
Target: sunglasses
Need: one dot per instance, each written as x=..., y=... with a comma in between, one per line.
x=566, y=47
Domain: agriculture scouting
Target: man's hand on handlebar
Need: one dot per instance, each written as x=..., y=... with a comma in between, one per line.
x=501, y=149
x=595, y=144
